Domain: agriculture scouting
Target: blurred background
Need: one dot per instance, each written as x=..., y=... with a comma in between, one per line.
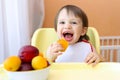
x=102, y=14
x=20, y=18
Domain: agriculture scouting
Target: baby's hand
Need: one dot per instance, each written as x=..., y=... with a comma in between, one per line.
x=54, y=50
x=94, y=58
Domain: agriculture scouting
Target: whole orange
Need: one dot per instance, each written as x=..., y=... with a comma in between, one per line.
x=12, y=63
x=39, y=62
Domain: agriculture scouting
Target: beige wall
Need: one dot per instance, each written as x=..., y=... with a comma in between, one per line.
x=103, y=14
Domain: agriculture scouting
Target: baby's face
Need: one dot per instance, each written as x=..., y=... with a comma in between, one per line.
x=69, y=27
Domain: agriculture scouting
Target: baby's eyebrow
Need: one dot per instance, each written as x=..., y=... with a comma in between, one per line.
x=61, y=19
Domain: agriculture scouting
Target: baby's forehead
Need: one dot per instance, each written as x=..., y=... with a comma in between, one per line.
x=64, y=15
x=72, y=12
x=69, y=12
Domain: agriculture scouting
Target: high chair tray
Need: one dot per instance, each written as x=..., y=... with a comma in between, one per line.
x=79, y=71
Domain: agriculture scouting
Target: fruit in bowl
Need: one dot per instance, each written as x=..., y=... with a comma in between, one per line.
x=39, y=62
x=12, y=63
x=25, y=67
x=27, y=52
x=29, y=64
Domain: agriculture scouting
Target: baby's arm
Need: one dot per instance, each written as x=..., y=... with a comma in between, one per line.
x=53, y=51
x=94, y=58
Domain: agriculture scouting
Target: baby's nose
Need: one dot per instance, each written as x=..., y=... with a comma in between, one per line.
x=68, y=26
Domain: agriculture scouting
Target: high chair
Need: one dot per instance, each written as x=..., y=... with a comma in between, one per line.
x=43, y=37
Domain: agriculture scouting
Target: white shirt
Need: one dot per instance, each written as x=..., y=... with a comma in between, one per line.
x=75, y=53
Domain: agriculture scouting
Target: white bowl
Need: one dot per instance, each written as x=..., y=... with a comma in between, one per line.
x=29, y=75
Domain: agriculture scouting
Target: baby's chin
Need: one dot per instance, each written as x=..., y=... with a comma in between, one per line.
x=70, y=43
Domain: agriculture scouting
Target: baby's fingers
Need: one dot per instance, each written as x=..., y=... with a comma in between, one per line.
x=55, y=48
x=89, y=57
x=96, y=62
x=92, y=60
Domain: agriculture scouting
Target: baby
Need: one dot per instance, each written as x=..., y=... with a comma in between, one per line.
x=71, y=24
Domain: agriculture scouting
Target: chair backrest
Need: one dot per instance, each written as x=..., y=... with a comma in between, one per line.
x=43, y=37
x=94, y=38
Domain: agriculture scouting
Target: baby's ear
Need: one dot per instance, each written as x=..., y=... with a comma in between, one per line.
x=84, y=31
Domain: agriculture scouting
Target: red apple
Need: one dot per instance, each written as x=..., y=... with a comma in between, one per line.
x=25, y=67
x=27, y=52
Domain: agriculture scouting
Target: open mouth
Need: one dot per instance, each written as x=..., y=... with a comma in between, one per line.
x=68, y=36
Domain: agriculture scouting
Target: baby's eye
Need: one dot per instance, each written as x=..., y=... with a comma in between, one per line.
x=62, y=22
x=73, y=22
